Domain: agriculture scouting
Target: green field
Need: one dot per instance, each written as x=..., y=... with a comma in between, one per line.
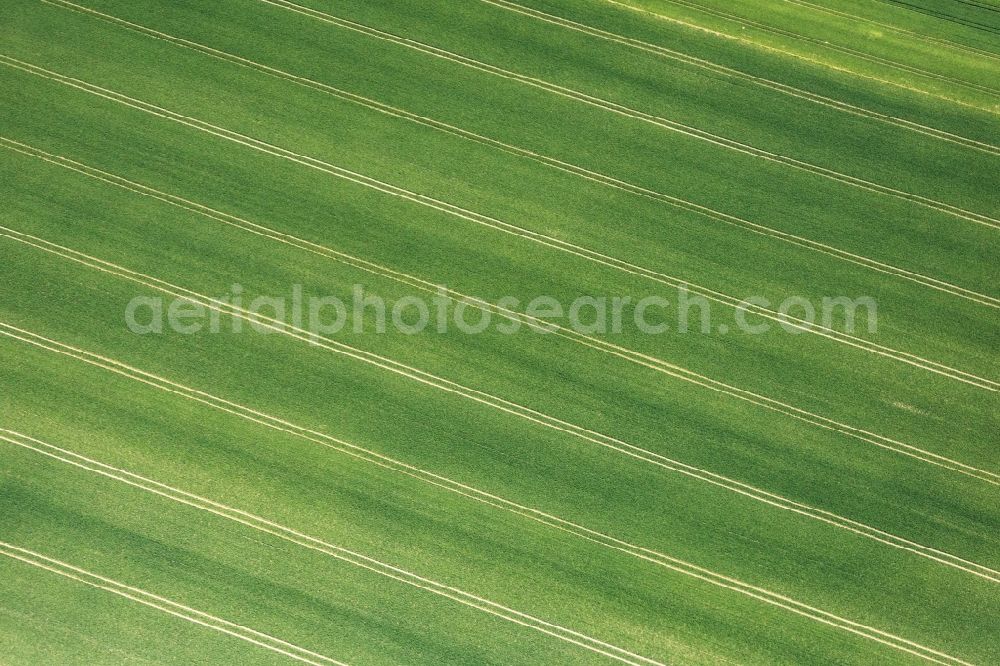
x=822, y=492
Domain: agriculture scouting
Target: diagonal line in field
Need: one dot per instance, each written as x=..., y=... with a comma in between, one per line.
x=341, y=257
x=938, y=653
x=798, y=56
x=299, y=538
x=858, y=433
x=635, y=114
x=345, y=555
x=552, y=162
x=473, y=394
x=896, y=28
x=525, y=413
x=717, y=68
x=450, y=386
x=483, y=220
x=342, y=446
x=839, y=48
x=165, y=605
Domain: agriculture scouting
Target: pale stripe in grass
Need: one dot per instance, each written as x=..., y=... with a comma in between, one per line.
x=165, y=605
x=635, y=114
x=798, y=56
x=896, y=28
x=345, y=555
x=541, y=419
x=298, y=538
x=566, y=167
x=716, y=68
x=483, y=220
x=356, y=262
x=910, y=69
x=473, y=394
x=324, y=439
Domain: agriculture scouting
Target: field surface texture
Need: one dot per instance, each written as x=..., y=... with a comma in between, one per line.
x=789, y=454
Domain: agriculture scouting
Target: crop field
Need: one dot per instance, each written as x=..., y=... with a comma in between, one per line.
x=500, y=331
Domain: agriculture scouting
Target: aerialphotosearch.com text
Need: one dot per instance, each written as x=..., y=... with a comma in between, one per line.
x=680, y=312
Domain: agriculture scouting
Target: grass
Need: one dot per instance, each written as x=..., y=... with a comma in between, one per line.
x=356, y=615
